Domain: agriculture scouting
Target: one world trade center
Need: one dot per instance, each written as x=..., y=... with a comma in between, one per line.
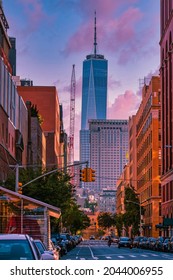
x=94, y=95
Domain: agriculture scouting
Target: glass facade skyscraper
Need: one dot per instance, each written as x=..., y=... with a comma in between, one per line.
x=94, y=96
x=94, y=89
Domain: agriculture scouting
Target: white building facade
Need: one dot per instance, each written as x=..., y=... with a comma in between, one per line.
x=108, y=151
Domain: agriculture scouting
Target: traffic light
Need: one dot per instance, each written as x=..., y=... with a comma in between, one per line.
x=93, y=176
x=87, y=175
x=90, y=175
x=20, y=187
x=83, y=175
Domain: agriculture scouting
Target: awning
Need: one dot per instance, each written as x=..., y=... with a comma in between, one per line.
x=161, y=226
x=168, y=222
x=31, y=202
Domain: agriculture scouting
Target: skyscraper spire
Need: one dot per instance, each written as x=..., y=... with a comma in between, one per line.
x=95, y=37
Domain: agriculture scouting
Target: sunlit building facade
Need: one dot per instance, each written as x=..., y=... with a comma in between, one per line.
x=148, y=144
x=166, y=74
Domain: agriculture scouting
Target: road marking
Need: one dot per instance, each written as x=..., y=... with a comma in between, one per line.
x=144, y=255
x=92, y=255
x=82, y=258
x=121, y=257
x=108, y=257
x=154, y=255
x=133, y=256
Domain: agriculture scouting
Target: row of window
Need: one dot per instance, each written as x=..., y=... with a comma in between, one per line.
x=6, y=138
x=167, y=192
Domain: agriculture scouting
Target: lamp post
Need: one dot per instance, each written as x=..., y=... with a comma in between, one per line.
x=140, y=212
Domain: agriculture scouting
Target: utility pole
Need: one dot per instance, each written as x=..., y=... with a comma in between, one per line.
x=17, y=166
x=17, y=177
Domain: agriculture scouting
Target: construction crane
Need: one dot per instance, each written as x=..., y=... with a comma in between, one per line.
x=72, y=120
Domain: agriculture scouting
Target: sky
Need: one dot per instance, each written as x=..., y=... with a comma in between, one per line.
x=52, y=35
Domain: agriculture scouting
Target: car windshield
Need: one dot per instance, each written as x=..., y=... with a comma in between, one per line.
x=15, y=250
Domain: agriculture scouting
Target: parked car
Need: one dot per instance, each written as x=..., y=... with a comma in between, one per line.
x=136, y=241
x=142, y=242
x=159, y=243
x=53, y=252
x=19, y=247
x=152, y=242
x=58, y=242
x=171, y=244
x=41, y=247
x=166, y=245
x=125, y=242
x=67, y=240
x=73, y=241
x=79, y=237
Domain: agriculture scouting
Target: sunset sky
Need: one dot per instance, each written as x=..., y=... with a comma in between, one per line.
x=52, y=35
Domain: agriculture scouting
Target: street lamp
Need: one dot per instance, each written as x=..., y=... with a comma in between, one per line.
x=140, y=221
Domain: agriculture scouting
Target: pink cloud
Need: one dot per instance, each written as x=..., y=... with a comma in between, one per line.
x=103, y=8
x=114, y=35
x=81, y=40
x=122, y=30
x=124, y=106
x=34, y=14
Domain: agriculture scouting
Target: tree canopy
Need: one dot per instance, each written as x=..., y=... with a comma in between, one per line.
x=54, y=189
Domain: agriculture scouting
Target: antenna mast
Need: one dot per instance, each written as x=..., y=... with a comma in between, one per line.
x=72, y=118
x=95, y=36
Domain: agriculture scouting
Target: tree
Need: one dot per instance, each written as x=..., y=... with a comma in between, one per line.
x=132, y=206
x=54, y=189
x=105, y=220
x=74, y=219
x=118, y=222
x=90, y=204
x=35, y=113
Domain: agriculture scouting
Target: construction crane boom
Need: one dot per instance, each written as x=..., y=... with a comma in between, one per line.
x=72, y=116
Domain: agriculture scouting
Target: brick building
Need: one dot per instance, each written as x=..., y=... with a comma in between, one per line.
x=148, y=144
x=46, y=100
x=166, y=74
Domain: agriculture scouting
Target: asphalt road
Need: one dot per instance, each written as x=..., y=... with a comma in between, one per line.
x=99, y=250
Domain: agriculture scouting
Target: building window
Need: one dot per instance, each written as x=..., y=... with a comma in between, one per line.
x=160, y=209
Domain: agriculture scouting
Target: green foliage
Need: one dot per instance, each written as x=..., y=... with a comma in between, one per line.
x=119, y=223
x=132, y=206
x=54, y=189
x=105, y=220
x=35, y=113
x=90, y=205
x=74, y=219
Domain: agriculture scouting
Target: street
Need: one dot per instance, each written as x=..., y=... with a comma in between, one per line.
x=99, y=250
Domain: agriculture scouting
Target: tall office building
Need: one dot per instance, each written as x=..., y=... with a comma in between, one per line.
x=108, y=151
x=94, y=95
